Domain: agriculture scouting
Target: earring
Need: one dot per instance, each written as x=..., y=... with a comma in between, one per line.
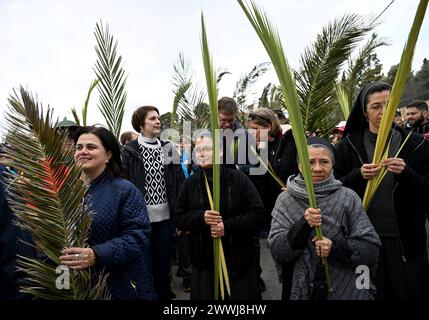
x=107, y=161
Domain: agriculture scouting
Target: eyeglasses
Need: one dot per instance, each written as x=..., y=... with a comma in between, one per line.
x=226, y=120
x=377, y=107
x=205, y=149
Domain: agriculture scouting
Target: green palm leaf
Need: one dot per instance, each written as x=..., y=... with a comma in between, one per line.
x=394, y=98
x=354, y=75
x=109, y=72
x=47, y=200
x=220, y=270
x=182, y=83
x=92, y=86
x=272, y=97
x=271, y=41
x=343, y=100
x=244, y=85
x=321, y=65
x=188, y=103
x=85, y=105
x=220, y=74
x=75, y=116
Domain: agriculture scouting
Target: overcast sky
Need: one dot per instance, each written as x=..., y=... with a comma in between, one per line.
x=48, y=46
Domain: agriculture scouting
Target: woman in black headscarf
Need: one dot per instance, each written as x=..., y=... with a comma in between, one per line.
x=397, y=209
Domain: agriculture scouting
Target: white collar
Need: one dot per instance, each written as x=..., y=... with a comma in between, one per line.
x=146, y=141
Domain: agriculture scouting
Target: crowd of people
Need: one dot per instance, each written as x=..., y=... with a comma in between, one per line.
x=151, y=204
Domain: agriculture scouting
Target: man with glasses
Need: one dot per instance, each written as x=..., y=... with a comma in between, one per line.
x=235, y=138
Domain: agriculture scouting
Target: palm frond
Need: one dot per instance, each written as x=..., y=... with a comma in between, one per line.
x=395, y=96
x=271, y=41
x=75, y=116
x=356, y=66
x=219, y=260
x=189, y=100
x=245, y=83
x=201, y=112
x=47, y=200
x=180, y=99
x=182, y=83
x=272, y=97
x=109, y=71
x=220, y=74
x=92, y=86
x=320, y=68
x=243, y=87
x=343, y=100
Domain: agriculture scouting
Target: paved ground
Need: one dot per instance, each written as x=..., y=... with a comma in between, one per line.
x=269, y=275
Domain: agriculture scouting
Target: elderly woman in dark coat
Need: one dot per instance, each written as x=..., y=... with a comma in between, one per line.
x=120, y=228
x=240, y=218
x=349, y=238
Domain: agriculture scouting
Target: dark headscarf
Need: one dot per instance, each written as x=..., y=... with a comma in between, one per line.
x=357, y=120
x=323, y=143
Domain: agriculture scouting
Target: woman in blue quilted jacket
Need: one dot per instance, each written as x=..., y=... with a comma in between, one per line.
x=120, y=228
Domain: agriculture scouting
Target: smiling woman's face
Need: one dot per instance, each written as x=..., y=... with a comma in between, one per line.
x=90, y=154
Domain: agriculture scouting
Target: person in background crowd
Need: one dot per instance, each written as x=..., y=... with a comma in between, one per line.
x=185, y=149
x=417, y=120
x=238, y=221
x=235, y=139
x=398, y=119
x=349, y=239
x=417, y=117
x=128, y=136
x=180, y=246
x=67, y=127
x=119, y=238
x=282, y=155
x=397, y=210
x=14, y=242
x=284, y=122
x=337, y=133
x=5, y=160
x=154, y=167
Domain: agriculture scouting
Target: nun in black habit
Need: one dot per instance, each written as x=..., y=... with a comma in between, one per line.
x=397, y=209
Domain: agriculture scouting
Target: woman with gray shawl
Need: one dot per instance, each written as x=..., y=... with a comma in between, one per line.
x=349, y=239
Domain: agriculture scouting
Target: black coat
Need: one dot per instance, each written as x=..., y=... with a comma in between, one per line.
x=134, y=171
x=242, y=214
x=284, y=163
x=411, y=189
x=13, y=242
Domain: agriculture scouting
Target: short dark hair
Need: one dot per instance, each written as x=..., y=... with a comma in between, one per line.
x=139, y=116
x=279, y=113
x=125, y=137
x=419, y=104
x=227, y=105
x=109, y=142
